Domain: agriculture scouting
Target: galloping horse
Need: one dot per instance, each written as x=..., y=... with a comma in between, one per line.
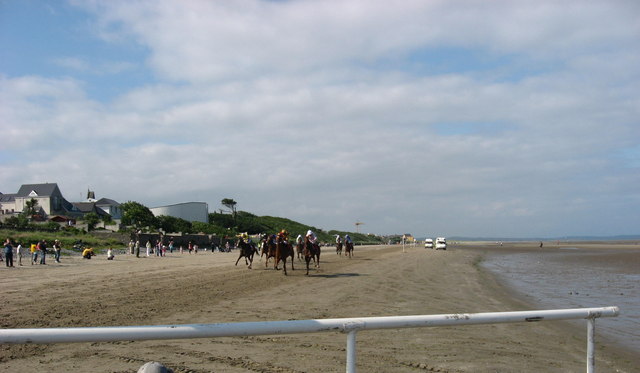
x=348, y=249
x=339, y=248
x=300, y=249
x=311, y=251
x=283, y=250
x=246, y=250
x=268, y=249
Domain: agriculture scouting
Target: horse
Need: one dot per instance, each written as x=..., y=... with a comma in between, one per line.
x=268, y=249
x=246, y=250
x=300, y=249
x=283, y=250
x=348, y=249
x=339, y=248
x=311, y=251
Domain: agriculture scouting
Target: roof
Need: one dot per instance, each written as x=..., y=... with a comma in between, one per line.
x=86, y=207
x=7, y=197
x=41, y=190
x=107, y=201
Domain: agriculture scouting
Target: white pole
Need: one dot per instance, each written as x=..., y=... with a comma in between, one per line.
x=351, y=352
x=591, y=334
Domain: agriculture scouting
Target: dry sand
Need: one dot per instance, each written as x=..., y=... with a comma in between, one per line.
x=208, y=288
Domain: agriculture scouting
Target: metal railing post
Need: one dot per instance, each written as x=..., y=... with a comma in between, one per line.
x=351, y=352
x=591, y=342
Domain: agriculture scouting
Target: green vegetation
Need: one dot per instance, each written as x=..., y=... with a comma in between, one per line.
x=138, y=217
x=68, y=238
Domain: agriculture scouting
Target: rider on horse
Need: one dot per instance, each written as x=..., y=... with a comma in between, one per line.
x=347, y=239
x=284, y=236
x=245, y=237
x=312, y=238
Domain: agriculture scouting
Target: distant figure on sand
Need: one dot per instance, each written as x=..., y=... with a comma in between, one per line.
x=87, y=253
x=110, y=255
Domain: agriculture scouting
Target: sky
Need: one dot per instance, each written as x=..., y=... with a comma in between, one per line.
x=435, y=118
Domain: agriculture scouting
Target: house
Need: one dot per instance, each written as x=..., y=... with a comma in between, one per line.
x=110, y=207
x=48, y=196
x=7, y=204
x=51, y=202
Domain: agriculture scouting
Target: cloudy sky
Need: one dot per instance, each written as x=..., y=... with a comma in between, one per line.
x=476, y=118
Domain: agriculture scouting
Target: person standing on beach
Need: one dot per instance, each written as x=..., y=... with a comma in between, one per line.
x=148, y=246
x=131, y=247
x=43, y=252
x=19, y=252
x=57, y=249
x=34, y=254
x=8, y=253
x=137, y=248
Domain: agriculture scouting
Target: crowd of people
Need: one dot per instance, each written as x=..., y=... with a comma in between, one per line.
x=37, y=251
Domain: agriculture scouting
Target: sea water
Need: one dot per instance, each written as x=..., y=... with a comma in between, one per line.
x=576, y=278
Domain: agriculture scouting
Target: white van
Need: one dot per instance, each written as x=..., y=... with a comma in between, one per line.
x=441, y=243
x=428, y=243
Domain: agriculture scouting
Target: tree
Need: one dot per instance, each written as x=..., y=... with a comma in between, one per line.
x=230, y=204
x=20, y=221
x=137, y=215
x=173, y=224
x=91, y=219
x=31, y=207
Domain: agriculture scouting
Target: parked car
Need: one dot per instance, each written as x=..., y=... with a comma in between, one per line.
x=428, y=243
x=441, y=243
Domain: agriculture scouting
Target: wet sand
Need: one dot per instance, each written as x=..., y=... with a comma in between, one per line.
x=208, y=288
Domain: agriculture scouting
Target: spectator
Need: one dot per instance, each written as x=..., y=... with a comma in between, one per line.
x=19, y=252
x=87, y=253
x=8, y=253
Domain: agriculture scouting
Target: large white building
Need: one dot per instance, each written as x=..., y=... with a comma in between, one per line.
x=190, y=211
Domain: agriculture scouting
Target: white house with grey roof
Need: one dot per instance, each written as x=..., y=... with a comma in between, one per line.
x=48, y=195
x=51, y=202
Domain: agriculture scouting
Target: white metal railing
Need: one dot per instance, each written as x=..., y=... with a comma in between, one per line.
x=347, y=325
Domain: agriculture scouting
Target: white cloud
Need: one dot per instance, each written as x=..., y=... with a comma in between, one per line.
x=307, y=110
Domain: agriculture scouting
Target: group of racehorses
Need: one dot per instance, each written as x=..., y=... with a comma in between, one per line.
x=348, y=248
x=280, y=249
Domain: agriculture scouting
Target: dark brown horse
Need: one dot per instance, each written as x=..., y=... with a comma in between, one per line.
x=268, y=248
x=246, y=250
x=311, y=251
x=339, y=248
x=348, y=249
x=283, y=250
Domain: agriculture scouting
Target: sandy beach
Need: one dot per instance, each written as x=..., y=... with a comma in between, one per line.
x=208, y=288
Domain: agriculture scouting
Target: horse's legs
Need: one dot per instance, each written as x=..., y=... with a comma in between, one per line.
x=307, y=259
x=239, y=258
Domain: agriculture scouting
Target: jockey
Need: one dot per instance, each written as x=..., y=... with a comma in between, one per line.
x=347, y=239
x=245, y=237
x=299, y=239
x=312, y=237
x=284, y=235
x=338, y=239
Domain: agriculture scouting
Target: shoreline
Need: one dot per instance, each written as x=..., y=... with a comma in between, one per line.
x=626, y=249
x=207, y=287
